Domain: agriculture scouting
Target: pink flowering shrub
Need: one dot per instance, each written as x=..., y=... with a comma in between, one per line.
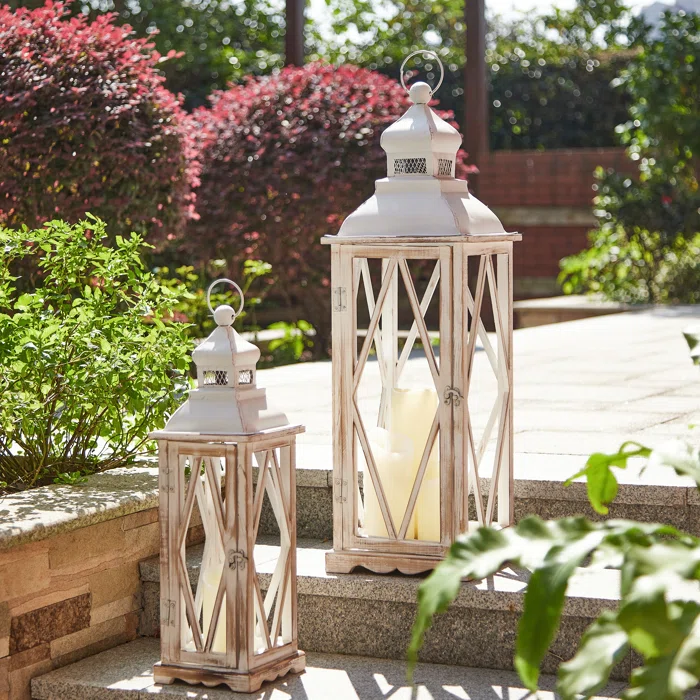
x=284, y=159
x=87, y=125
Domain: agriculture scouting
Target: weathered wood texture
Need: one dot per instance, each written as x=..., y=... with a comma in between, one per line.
x=227, y=632
x=462, y=449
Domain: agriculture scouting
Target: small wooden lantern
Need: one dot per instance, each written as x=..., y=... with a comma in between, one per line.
x=228, y=629
x=407, y=455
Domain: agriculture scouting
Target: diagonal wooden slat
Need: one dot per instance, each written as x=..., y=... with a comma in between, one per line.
x=473, y=328
x=260, y=491
x=369, y=297
x=279, y=482
x=483, y=335
x=474, y=466
x=275, y=581
x=189, y=501
x=413, y=333
x=278, y=505
x=502, y=373
x=260, y=614
x=418, y=481
x=374, y=473
x=497, y=460
x=186, y=590
x=420, y=321
x=281, y=599
x=488, y=429
x=215, y=489
x=374, y=321
x=216, y=614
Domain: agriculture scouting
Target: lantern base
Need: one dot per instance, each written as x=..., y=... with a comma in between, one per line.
x=379, y=563
x=240, y=682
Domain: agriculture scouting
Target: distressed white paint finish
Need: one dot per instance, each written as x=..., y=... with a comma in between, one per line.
x=224, y=630
x=227, y=632
x=227, y=399
x=420, y=196
x=462, y=447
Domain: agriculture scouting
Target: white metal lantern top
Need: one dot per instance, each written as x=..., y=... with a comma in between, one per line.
x=227, y=400
x=421, y=196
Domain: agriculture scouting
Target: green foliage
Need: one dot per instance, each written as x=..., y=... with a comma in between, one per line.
x=647, y=244
x=664, y=83
x=88, y=364
x=210, y=42
x=296, y=342
x=549, y=76
x=600, y=479
x=659, y=612
x=192, y=283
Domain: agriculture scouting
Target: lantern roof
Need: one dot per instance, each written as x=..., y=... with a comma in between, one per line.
x=227, y=399
x=420, y=197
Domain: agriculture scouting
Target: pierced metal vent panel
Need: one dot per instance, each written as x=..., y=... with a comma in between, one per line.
x=444, y=166
x=410, y=166
x=215, y=377
x=245, y=376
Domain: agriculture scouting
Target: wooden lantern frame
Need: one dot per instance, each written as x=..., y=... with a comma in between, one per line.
x=239, y=667
x=460, y=325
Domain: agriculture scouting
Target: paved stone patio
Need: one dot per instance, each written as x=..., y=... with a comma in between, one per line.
x=580, y=387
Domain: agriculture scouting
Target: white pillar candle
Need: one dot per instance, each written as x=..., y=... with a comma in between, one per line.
x=412, y=414
x=394, y=461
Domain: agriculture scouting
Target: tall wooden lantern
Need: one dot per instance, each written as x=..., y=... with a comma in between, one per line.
x=416, y=429
x=227, y=628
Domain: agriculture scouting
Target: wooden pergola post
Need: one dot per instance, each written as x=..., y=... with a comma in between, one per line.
x=294, y=37
x=476, y=134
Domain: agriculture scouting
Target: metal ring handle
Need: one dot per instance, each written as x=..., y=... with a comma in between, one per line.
x=233, y=284
x=430, y=53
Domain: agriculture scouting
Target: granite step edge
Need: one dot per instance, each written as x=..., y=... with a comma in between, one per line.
x=125, y=673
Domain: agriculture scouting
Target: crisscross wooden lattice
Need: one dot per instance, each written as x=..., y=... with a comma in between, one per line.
x=204, y=487
x=273, y=613
x=390, y=374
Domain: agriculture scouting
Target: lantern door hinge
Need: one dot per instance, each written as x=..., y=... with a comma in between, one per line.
x=167, y=613
x=340, y=299
x=341, y=490
x=453, y=396
x=237, y=560
x=165, y=475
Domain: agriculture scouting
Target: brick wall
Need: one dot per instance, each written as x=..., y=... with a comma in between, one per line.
x=547, y=196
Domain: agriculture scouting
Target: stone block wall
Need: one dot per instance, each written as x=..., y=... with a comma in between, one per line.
x=70, y=596
x=69, y=571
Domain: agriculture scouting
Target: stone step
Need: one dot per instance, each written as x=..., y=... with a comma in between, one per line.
x=370, y=614
x=125, y=673
x=654, y=495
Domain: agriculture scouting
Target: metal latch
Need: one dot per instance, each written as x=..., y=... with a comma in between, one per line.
x=339, y=299
x=237, y=559
x=453, y=396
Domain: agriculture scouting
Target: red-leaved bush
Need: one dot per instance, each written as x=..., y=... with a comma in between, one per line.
x=284, y=159
x=87, y=125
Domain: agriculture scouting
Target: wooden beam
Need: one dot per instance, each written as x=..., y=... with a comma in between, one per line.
x=294, y=36
x=476, y=131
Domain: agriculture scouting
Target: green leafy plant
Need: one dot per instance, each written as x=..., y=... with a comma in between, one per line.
x=70, y=478
x=88, y=362
x=646, y=246
x=659, y=612
x=296, y=341
x=191, y=285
